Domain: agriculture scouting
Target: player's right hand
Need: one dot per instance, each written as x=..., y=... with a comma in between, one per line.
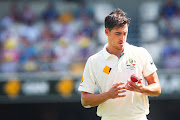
x=116, y=90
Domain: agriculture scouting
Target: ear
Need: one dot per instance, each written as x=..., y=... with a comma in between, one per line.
x=107, y=31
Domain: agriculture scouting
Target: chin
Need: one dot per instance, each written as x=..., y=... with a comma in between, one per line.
x=119, y=48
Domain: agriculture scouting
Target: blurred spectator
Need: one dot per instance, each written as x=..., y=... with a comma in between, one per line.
x=5, y=33
x=64, y=27
x=84, y=49
x=28, y=56
x=169, y=9
x=30, y=31
x=47, y=34
x=172, y=61
x=170, y=56
x=50, y=13
x=175, y=23
x=27, y=50
x=12, y=16
x=168, y=49
x=27, y=14
x=64, y=53
x=30, y=65
x=82, y=9
x=46, y=54
x=10, y=55
x=169, y=19
x=166, y=28
x=1, y=50
x=7, y=21
x=14, y=12
x=86, y=27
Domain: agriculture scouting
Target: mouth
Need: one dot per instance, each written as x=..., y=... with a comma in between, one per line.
x=121, y=43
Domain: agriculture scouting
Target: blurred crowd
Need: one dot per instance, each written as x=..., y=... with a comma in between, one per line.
x=63, y=40
x=52, y=41
x=169, y=28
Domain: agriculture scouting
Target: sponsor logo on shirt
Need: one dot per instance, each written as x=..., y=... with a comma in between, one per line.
x=151, y=62
x=107, y=69
x=130, y=64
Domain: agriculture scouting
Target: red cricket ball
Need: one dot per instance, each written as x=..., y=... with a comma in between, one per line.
x=134, y=78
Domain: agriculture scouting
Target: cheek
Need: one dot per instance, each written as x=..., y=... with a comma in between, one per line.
x=114, y=37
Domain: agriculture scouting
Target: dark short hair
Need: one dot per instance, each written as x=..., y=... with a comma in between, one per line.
x=117, y=18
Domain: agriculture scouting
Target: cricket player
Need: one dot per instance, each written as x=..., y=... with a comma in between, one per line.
x=110, y=70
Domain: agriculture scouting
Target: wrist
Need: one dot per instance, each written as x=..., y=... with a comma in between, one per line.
x=107, y=95
x=143, y=89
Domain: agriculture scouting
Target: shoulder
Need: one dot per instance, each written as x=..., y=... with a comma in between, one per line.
x=94, y=59
x=140, y=53
x=137, y=50
x=96, y=56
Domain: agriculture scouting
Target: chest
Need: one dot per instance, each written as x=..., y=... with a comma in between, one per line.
x=114, y=70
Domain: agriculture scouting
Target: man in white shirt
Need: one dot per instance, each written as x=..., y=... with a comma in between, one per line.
x=111, y=68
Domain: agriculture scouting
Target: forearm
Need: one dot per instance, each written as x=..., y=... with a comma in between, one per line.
x=152, y=89
x=88, y=99
x=94, y=99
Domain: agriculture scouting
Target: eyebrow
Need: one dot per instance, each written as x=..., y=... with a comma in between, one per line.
x=118, y=32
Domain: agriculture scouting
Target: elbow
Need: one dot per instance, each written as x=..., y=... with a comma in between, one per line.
x=84, y=102
x=158, y=92
x=155, y=93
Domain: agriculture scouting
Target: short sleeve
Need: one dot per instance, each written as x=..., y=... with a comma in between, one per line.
x=148, y=65
x=88, y=80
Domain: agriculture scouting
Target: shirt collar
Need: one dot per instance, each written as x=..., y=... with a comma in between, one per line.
x=107, y=54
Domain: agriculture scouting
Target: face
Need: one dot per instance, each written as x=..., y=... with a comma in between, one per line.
x=117, y=37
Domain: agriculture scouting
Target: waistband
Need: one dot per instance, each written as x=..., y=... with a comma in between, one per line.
x=112, y=117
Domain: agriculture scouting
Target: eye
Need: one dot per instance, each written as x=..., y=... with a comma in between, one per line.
x=118, y=33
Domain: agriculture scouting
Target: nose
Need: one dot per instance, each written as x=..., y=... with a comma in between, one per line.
x=123, y=37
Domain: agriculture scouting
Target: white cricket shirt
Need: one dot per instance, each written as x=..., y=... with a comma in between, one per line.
x=104, y=70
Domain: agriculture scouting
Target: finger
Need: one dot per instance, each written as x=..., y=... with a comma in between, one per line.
x=132, y=87
x=129, y=87
x=121, y=91
x=121, y=95
x=121, y=83
x=132, y=84
x=114, y=85
x=120, y=88
x=126, y=85
x=117, y=84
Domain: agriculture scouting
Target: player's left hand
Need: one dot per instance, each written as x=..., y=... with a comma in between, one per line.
x=132, y=86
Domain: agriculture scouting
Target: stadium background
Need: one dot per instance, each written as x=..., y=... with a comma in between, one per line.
x=45, y=44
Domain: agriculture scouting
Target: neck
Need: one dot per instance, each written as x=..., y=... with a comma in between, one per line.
x=114, y=51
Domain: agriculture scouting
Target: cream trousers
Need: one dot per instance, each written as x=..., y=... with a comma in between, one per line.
x=120, y=118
